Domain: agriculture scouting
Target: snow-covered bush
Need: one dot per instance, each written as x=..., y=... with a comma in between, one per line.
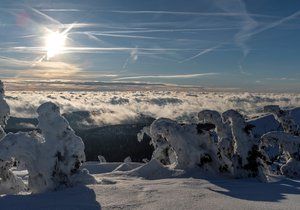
x=52, y=157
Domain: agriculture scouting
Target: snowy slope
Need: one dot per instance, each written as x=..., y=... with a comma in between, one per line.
x=193, y=193
x=123, y=190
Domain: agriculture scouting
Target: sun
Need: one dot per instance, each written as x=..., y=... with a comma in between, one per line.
x=55, y=43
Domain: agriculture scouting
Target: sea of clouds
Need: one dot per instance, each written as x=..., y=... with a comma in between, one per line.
x=118, y=107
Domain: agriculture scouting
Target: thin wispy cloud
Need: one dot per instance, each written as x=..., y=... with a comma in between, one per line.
x=247, y=25
x=273, y=24
x=40, y=50
x=127, y=36
x=168, y=30
x=178, y=76
x=47, y=17
x=166, y=12
x=203, y=52
x=133, y=58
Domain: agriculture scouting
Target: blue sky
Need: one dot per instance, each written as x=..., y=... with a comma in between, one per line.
x=212, y=43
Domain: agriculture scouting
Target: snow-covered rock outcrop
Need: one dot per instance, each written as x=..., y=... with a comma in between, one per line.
x=52, y=157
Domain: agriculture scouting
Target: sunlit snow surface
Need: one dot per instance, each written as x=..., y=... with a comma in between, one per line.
x=124, y=190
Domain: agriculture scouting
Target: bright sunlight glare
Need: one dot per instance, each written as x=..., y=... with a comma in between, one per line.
x=55, y=43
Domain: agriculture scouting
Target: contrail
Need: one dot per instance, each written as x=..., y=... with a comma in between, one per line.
x=201, y=53
x=168, y=76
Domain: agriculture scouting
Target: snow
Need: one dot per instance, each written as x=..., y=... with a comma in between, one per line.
x=264, y=124
x=196, y=193
x=153, y=170
x=193, y=190
x=127, y=166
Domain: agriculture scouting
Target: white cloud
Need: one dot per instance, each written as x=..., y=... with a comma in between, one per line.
x=114, y=107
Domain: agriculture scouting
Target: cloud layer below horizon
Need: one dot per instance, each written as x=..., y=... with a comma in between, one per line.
x=117, y=107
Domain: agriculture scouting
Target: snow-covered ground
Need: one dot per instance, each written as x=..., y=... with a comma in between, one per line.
x=125, y=190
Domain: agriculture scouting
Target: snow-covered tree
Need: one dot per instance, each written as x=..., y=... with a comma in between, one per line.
x=287, y=141
x=193, y=145
x=221, y=143
x=8, y=181
x=245, y=148
x=60, y=141
x=4, y=110
x=290, y=147
x=52, y=157
x=223, y=131
x=285, y=118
